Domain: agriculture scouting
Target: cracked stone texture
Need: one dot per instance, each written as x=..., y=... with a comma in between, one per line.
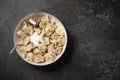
x=93, y=51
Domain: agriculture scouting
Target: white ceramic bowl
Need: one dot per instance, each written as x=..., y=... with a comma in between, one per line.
x=40, y=14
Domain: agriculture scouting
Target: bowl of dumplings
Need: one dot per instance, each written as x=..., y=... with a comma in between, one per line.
x=41, y=38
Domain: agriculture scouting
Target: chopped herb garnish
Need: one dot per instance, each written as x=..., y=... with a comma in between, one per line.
x=43, y=26
x=57, y=43
x=51, y=26
x=41, y=49
x=27, y=33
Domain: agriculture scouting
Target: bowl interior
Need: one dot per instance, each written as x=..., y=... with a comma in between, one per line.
x=39, y=15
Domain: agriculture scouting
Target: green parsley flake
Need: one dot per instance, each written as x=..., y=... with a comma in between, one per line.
x=43, y=26
x=27, y=33
x=57, y=43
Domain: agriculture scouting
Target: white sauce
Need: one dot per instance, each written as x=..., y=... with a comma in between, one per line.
x=35, y=39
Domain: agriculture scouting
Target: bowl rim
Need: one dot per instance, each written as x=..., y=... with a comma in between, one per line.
x=58, y=56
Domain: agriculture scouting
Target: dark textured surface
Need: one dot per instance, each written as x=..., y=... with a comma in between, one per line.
x=93, y=51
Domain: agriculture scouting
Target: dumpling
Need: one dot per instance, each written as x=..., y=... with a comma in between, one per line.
x=20, y=43
x=45, y=41
x=38, y=30
x=29, y=56
x=23, y=53
x=31, y=29
x=54, y=35
x=50, y=57
x=42, y=33
x=45, y=19
x=37, y=51
x=58, y=50
x=59, y=31
x=42, y=48
x=42, y=25
x=50, y=29
x=53, y=41
x=60, y=41
x=38, y=58
x=24, y=26
x=22, y=48
x=51, y=48
x=20, y=33
x=26, y=40
x=29, y=47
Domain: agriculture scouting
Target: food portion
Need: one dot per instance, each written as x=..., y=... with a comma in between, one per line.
x=41, y=43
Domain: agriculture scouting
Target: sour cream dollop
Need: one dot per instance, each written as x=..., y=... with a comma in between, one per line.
x=35, y=39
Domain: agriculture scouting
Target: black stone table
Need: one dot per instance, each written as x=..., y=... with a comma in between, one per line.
x=93, y=51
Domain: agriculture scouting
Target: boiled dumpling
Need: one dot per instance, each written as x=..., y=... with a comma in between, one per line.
x=59, y=31
x=37, y=51
x=24, y=26
x=29, y=56
x=42, y=33
x=31, y=29
x=42, y=48
x=54, y=35
x=22, y=48
x=51, y=48
x=20, y=43
x=58, y=50
x=29, y=47
x=45, y=19
x=53, y=41
x=20, y=33
x=45, y=41
x=38, y=30
x=60, y=41
x=26, y=40
x=49, y=29
x=38, y=58
x=49, y=56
